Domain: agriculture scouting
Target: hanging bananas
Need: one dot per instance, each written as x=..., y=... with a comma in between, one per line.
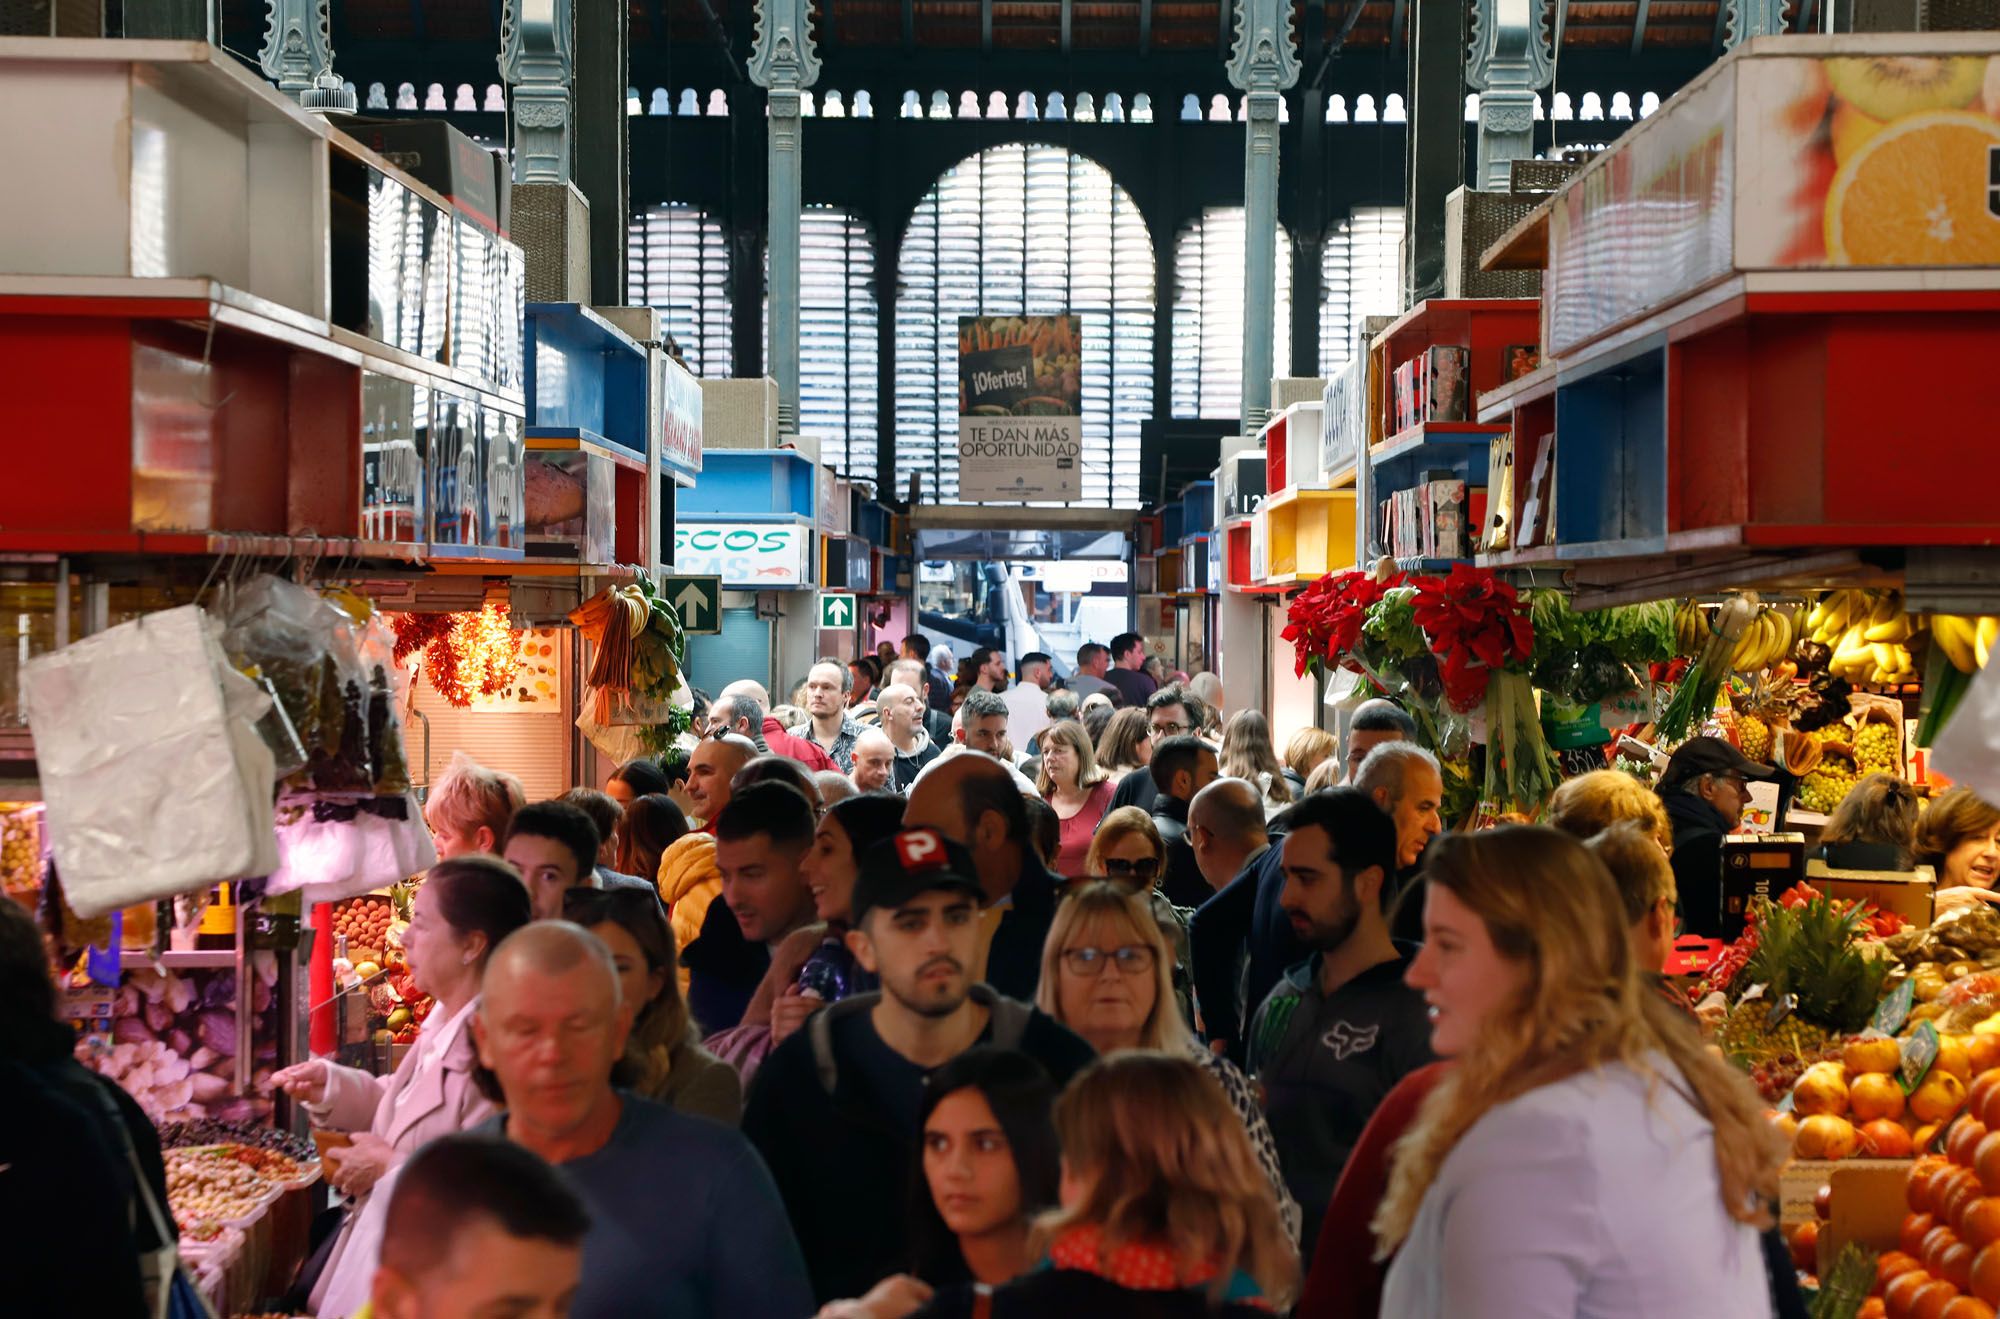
x=1868, y=633
x=1765, y=642
x=1966, y=642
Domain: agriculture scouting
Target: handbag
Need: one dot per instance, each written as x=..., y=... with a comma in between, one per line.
x=170, y=1293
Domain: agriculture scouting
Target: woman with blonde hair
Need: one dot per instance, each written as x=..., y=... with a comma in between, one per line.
x=1577, y=1090
x=1107, y=974
x=1587, y=805
x=1128, y=850
x=1959, y=838
x=1247, y=754
x=1127, y=743
x=1076, y=789
x=1164, y=1212
x=1304, y=753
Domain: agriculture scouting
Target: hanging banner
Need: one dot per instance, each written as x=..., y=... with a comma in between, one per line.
x=1020, y=408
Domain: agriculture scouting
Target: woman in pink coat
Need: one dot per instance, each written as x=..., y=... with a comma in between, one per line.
x=464, y=908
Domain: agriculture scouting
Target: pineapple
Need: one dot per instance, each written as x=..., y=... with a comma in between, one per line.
x=1755, y=736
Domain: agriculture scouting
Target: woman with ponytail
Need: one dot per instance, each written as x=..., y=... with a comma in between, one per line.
x=1586, y=1154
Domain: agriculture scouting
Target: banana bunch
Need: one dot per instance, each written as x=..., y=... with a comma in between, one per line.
x=1764, y=643
x=1966, y=642
x=1690, y=628
x=1868, y=633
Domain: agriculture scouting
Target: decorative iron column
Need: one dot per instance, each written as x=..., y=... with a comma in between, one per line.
x=298, y=56
x=536, y=47
x=784, y=63
x=1507, y=65
x=1263, y=64
x=1753, y=18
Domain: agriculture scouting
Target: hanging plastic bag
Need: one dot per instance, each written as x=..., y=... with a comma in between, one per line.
x=1967, y=751
x=152, y=787
x=307, y=648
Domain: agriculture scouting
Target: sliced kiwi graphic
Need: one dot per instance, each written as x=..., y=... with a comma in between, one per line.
x=1891, y=86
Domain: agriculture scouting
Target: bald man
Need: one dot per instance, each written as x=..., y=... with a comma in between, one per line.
x=875, y=759
x=1225, y=827
x=550, y=1026
x=1231, y=845
x=804, y=750
x=972, y=799
x=711, y=766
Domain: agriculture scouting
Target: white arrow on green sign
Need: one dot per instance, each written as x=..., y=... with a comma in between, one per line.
x=698, y=600
x=836, y=611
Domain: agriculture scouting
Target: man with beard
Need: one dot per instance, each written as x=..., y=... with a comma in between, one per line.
x=1341, y=1028
x=834, y=1109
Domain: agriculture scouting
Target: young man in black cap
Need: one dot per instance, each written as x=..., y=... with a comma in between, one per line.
x=834, y=1108
x=1706, y=789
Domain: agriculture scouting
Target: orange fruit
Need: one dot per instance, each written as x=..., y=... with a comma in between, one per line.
x=1872, y=1308
x=1986, y=1162
x=1954, y=1055
x=1883, y=1139
x=1980, y=1223
x=1915, y=1228
x=1984, y=1078
x=1936, y=1242
x=1902, y=1290
x=1894, y=1264
x=1986, y=1275
x=1917, y=1186
x=1963, y=1307
x=1963, y=1139
x=1930, y=1301
x=1955, y=1264
x=1915, y=194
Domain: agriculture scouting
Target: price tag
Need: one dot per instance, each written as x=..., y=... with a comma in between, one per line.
x=1919, y=1052
x=1785, y=1104
x=1895, y=1009
x=1782, y=1008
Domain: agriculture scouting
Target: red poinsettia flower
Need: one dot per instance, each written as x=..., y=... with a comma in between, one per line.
x=1476, y=625
x=1324, y=620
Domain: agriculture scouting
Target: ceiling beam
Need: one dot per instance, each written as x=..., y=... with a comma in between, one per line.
x=1397, y=28
x=1721, y=26
x=1068, y=17
x=986, y=26
x=1639, y=26
x=1145, y=27
x=909, y=27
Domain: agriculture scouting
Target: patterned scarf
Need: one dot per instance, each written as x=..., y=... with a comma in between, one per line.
x=1142, y=1265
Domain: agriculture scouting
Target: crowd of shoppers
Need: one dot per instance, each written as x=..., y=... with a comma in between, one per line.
x=1135, y=1033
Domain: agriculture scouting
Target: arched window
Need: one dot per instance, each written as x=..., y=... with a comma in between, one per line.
x=1360, y=276
x=1208, y=314
x=678, y=260
x=1026, y=230
x=839, y=345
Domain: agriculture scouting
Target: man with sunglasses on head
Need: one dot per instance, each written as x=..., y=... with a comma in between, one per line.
x=835, y=1108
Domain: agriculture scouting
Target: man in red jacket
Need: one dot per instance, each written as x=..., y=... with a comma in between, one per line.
x=742, y=708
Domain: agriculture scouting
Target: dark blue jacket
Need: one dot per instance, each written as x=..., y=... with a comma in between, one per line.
x=1243, y=917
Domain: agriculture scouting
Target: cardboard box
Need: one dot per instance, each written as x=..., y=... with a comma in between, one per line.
x=1908, y=893
x=1757, y=866
x=1869, y=1188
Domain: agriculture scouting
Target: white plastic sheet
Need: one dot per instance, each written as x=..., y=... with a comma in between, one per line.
x=1967, y=750
x=155, y=777
x=327, y=860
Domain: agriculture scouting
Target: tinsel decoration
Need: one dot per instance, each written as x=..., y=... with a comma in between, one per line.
x=464, y=655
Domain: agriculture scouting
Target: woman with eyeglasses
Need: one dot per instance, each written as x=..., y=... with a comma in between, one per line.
x=1107, y=975
x=1076, y=789
x=1128, y=851
x=664, y=1060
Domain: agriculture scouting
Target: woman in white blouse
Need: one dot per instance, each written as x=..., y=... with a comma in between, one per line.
x=1587, y=1155
x=462, y=911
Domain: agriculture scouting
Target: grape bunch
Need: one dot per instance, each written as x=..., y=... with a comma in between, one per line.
x=1877, y=749
x=1823, y=789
